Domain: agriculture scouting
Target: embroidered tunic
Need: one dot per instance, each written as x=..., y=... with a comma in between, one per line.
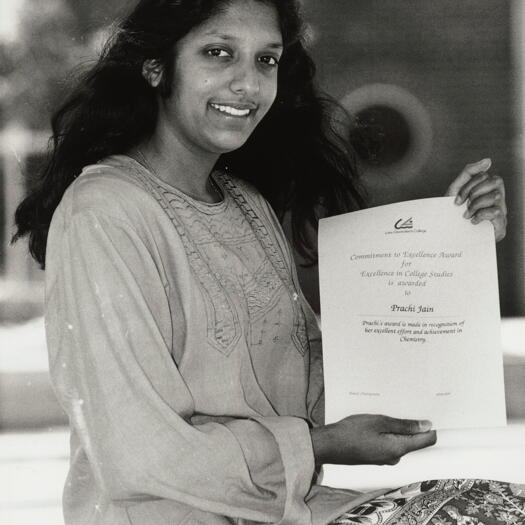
x=185, y=355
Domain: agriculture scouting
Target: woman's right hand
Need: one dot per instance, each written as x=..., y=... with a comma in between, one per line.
x=370, y=439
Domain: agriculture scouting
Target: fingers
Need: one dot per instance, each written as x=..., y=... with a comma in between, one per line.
x=481, y=185
x=405, y=426
x=486, y=201
x=362, y=439
x=406, y=435
x=489, y=183
x=399, y=445
x=491, y=200
x=466, y=175
x=484, y=194
x=475, y=182
x=418, y=441
x=493, y=214
x=496, y=216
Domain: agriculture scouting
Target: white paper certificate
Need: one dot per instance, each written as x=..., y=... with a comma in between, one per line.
x=410, y=315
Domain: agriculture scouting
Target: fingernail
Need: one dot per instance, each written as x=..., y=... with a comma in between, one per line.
x=466, y=215
x=458, y=200
x=486, y=163
x=425, y=425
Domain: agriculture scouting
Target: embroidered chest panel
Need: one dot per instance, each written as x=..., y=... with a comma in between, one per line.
x=243, y=277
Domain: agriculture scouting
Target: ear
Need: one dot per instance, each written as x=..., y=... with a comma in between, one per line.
x=152, y=71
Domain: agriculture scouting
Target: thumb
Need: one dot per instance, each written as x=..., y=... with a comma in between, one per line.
x=418, y=441
x=406, y=426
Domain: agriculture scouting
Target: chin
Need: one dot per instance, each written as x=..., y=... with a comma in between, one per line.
x=229, y=144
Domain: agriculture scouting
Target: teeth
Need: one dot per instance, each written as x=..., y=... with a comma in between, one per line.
x=231, y=111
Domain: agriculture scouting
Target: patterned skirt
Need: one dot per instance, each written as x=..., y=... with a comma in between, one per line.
x=443, y=502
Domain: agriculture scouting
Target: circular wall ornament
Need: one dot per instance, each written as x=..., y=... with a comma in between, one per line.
x=396, y=135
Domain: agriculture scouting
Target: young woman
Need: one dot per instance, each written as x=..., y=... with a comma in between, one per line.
x=180, y=343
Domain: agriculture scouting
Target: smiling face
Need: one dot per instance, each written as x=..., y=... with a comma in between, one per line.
x=225, y=78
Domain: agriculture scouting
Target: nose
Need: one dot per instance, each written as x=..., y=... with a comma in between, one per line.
x=245, y=80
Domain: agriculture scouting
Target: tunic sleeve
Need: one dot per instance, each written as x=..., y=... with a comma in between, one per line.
x=110, y=329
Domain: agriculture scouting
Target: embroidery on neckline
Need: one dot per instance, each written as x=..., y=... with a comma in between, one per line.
x=223, y=326
x=299, y=335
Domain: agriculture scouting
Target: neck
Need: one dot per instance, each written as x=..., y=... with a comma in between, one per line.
x=179, y=165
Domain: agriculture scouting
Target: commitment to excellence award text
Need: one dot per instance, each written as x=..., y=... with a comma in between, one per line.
x=410, y=315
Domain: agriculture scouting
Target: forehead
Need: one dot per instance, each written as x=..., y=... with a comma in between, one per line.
x=250, y=19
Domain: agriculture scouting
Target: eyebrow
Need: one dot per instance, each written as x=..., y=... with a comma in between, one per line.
x=224, y=36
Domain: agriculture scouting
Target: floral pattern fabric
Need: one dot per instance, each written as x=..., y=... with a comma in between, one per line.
x=443, y=502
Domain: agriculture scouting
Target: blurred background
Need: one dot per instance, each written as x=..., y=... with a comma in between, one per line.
x=442, y=82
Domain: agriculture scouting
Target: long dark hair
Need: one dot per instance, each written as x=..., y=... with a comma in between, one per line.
x=296, y=157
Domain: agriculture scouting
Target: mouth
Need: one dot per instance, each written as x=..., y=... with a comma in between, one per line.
x=234, y=110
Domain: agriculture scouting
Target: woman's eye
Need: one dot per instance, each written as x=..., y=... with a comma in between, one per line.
x=217, y=52
x=269, y=61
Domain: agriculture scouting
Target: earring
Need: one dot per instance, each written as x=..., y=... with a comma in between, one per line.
x=152, y=72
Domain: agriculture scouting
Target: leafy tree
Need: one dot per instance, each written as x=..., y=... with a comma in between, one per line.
x=57, y=37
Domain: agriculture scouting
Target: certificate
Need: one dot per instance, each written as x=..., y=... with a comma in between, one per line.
x=410, y=315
